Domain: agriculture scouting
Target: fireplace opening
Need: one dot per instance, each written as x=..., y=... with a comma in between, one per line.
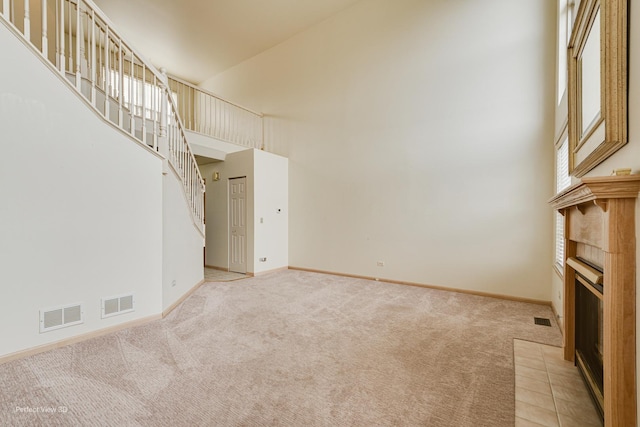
x=589, y=336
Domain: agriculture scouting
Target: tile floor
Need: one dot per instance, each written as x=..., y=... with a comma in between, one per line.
x=549, y=390
x=213, y=275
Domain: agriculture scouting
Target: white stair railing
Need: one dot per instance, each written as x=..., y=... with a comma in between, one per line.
x=78, y=40
x=209, y=114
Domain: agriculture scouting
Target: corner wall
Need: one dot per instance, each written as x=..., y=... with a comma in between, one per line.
x=182, y=242
x=418, y=135
x=271, y=182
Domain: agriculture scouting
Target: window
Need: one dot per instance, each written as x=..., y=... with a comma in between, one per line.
x=563, y=39
x=566, y=16
x=563, y=180
x=133, y=91
x=567, y=12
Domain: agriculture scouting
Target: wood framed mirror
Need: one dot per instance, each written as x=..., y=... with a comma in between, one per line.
x=598, y=88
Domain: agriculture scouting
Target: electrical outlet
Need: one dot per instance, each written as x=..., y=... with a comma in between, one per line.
x=380, y=263
x=173, y=283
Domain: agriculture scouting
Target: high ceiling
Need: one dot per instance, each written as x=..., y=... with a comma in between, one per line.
x=196, y=39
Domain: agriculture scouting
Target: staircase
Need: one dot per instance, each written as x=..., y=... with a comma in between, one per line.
x=76, y=40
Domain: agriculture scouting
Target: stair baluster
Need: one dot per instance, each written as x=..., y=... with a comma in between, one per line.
x=27, y=21
x=45, y=42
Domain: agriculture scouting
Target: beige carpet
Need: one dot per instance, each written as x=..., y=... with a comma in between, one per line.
x=289, y=349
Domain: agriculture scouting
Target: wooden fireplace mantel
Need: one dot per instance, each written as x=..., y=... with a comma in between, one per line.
x=599, y=212
x=596, y=190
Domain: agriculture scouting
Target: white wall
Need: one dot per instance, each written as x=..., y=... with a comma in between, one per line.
x=418, y=135
x=267, y=191
x=182, y=242
x=80, y=207
x=271, y=192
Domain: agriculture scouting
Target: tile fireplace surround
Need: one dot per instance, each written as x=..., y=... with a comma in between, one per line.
x=599, y=220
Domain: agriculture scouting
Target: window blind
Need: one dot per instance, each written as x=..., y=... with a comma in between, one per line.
x=563, y=180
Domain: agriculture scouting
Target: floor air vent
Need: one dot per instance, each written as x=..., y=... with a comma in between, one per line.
x=541, y=321
x=60, y=317
x=113, y=306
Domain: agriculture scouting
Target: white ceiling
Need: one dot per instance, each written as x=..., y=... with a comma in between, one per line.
x=196, y=39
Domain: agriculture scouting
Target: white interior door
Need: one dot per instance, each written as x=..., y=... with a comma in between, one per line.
x=238, y=225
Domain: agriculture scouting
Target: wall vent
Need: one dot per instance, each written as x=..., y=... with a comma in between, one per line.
x=120, y=304
x=541, y=321
x=61, y=317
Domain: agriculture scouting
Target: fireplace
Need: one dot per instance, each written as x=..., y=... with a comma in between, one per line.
x=589, y=337
x=600, y=306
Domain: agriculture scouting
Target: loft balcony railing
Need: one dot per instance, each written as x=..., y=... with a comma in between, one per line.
x=206, y=113
x=75, y=38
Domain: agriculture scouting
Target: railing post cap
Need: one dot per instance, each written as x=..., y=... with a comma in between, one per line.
x=163, y=76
